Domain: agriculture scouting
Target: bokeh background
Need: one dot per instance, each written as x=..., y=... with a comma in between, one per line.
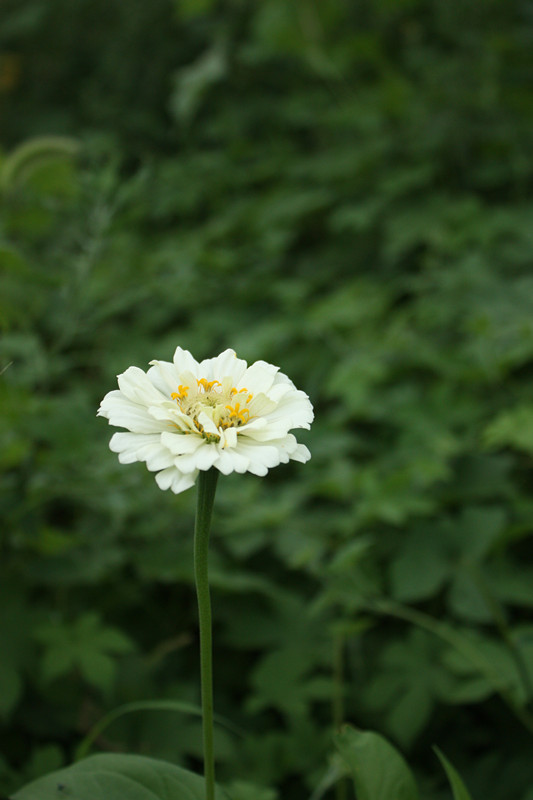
x=343, y=189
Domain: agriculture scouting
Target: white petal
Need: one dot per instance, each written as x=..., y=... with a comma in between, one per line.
x=184, y=362
x=136, y=386
x=231, y=461
x=267, y=455
x=141, y=447
x=181, y=444
x=125, y=414
x=165, y=477
x=301, y=454
x=294, y=410
x=282, y=378
x=257, y=468
x=261, y=405
x=158, y=459
x=223, y=366
x=203, y=459
x=265, y=433
x=255, y=424
x=228, y=438
x=259, y=377
x=207, y=423
x=183, y=482
x=170, y=414
x=173, y=479
x=164, y=377
x=279, y=390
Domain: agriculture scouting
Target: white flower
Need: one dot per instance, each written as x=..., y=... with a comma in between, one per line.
x=186, y=416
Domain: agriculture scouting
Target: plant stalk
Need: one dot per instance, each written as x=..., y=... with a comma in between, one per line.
x=207, y=484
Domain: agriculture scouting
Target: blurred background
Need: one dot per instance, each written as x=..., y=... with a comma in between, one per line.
x=343, y=189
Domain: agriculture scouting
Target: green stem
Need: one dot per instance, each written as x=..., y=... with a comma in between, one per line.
x=207, y=484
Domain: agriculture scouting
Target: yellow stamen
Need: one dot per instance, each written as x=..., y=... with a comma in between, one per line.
x=182, y=394
x=238, y=414
x=207, y=385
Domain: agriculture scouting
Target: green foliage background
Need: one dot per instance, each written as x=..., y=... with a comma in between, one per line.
x=343, y=189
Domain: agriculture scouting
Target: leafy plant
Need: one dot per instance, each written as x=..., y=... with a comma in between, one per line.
x=349, y=198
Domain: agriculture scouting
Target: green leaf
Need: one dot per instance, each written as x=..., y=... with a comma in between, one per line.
x=460, y=792
x=279, y=681
x=116, y=777
x=512, y=428
x=466, y=600
x=98, y=669
x=194, y=8
x=84, y=644
x=479, y=529
x=241, y=790
x=407, y=704
x=193, y=81
x=378, y=770
x=34, y=153
x=422, y=566
x=42, y=760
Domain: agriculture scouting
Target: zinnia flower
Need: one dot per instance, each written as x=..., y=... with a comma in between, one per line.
x=186, y=416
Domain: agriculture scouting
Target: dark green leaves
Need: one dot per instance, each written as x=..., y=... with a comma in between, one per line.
x=343, y=189
x=379, y=771
x=460, y=792
x=86, y=645
x=116, y=777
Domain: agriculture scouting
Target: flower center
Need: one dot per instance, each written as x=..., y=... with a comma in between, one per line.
x=224, y=404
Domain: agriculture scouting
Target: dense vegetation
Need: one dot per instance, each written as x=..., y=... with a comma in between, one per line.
x=345, y=190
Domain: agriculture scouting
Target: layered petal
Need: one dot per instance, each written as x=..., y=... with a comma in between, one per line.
x=136, y=386
x=184, y=362
x=123, y=413
x=225, y=365
x=293, y=410
x=133, y=447
x=259, y=377
x=164, y=376
x=173, y=479
x=185, y=416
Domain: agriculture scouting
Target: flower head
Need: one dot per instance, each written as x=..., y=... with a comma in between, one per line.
x=184, y=416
